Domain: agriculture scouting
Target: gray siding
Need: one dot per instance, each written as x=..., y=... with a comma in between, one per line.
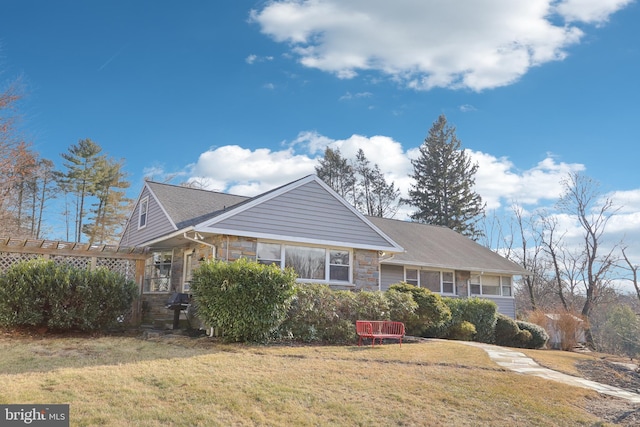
x=506, y=306
x=157, y=223
x=390, y=275
x=308, y=212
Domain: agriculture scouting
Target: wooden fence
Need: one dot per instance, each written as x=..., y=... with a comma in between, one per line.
x=128, y=261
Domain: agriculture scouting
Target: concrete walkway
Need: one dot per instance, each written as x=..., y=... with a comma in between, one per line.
x=519, y=362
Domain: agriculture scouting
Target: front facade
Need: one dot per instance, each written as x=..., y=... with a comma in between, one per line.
x=307, y=226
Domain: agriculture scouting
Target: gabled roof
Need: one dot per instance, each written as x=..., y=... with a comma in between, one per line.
x=303, y=211
x=187, y=206
x=440, y=247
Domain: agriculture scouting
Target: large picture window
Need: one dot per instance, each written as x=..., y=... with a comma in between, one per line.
x=310, y=263
x=157, y=277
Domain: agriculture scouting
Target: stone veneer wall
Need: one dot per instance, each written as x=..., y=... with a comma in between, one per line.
x=462, y=283
x=366, y=269
x=232, y=248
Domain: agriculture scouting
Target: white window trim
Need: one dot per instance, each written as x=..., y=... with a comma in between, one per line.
x=500, y=286
x=144, y=202
x=327, y=265
x=419, y=269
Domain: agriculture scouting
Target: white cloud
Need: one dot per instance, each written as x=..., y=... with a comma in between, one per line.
x=476, y=44
x=349, y=96
x=252, y=59
x=590, y=11
x=247, y=172
x=499, y=182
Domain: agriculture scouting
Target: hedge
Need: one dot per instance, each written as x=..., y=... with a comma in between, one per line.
x=41, y=294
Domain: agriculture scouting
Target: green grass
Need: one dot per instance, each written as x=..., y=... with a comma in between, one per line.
x=125, y=381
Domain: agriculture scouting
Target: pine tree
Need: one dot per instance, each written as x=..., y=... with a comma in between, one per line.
x=362, y=185
x=375, y=197
x=442, y=191
x=79, y=179
x=110, y=210
x=337, y=173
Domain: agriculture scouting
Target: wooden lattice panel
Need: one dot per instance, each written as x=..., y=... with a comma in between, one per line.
x=82, y=263
x=122, y=266
x=7, y=259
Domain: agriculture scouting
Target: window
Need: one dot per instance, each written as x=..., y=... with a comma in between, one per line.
x=448, y=282
x=411, y=277
x=490, y=285
x=310, y=263
x=474, y=285
x=339, y=265
x=142, y=213
x=434, y=280
x=269, y=253
x=157, y=277
x=430, y=280
x=506, y=286
x=307, y=262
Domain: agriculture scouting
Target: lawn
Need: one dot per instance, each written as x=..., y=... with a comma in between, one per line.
x=174, y=380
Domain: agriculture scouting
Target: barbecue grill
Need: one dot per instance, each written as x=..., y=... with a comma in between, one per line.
x=178, y=302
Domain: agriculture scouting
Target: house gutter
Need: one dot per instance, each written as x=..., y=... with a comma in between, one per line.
x=168, y=236
x=197, y=240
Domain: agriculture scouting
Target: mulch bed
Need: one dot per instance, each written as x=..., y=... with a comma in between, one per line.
x=610, y=409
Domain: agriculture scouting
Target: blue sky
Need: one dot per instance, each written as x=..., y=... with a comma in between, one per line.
x=245, y=95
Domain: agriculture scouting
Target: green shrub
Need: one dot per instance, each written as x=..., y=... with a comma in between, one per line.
x=245, y=300
x=39, y=293
x=464, y=331
x=319, y=314
x=539, y=336
x=402, y=306
x=430, y=314
x=506, y=331
x=478, y=311
x=523, y=338
x=371, y=305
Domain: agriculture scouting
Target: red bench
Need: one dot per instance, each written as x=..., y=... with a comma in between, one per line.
x=379, y=329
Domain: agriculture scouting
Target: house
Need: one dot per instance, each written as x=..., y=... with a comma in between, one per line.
x=306, y=225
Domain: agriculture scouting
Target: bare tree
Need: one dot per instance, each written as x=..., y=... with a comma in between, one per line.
x=633, y=269
x=582, y=199
x=551, y=246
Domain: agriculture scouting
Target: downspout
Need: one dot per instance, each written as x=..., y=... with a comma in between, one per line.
x=213, y=247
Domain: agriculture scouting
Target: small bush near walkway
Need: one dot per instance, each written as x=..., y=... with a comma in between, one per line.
x=41, y=294
x=481, y=313
x=539, y=336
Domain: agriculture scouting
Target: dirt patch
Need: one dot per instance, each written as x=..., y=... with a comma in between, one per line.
x=610, y=409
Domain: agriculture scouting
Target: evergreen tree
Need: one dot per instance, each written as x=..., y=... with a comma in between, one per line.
x=79, y=180
x=374, y=196
x=110, y=209
x=337, y=173
x=362, y=185
x=442, y=191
